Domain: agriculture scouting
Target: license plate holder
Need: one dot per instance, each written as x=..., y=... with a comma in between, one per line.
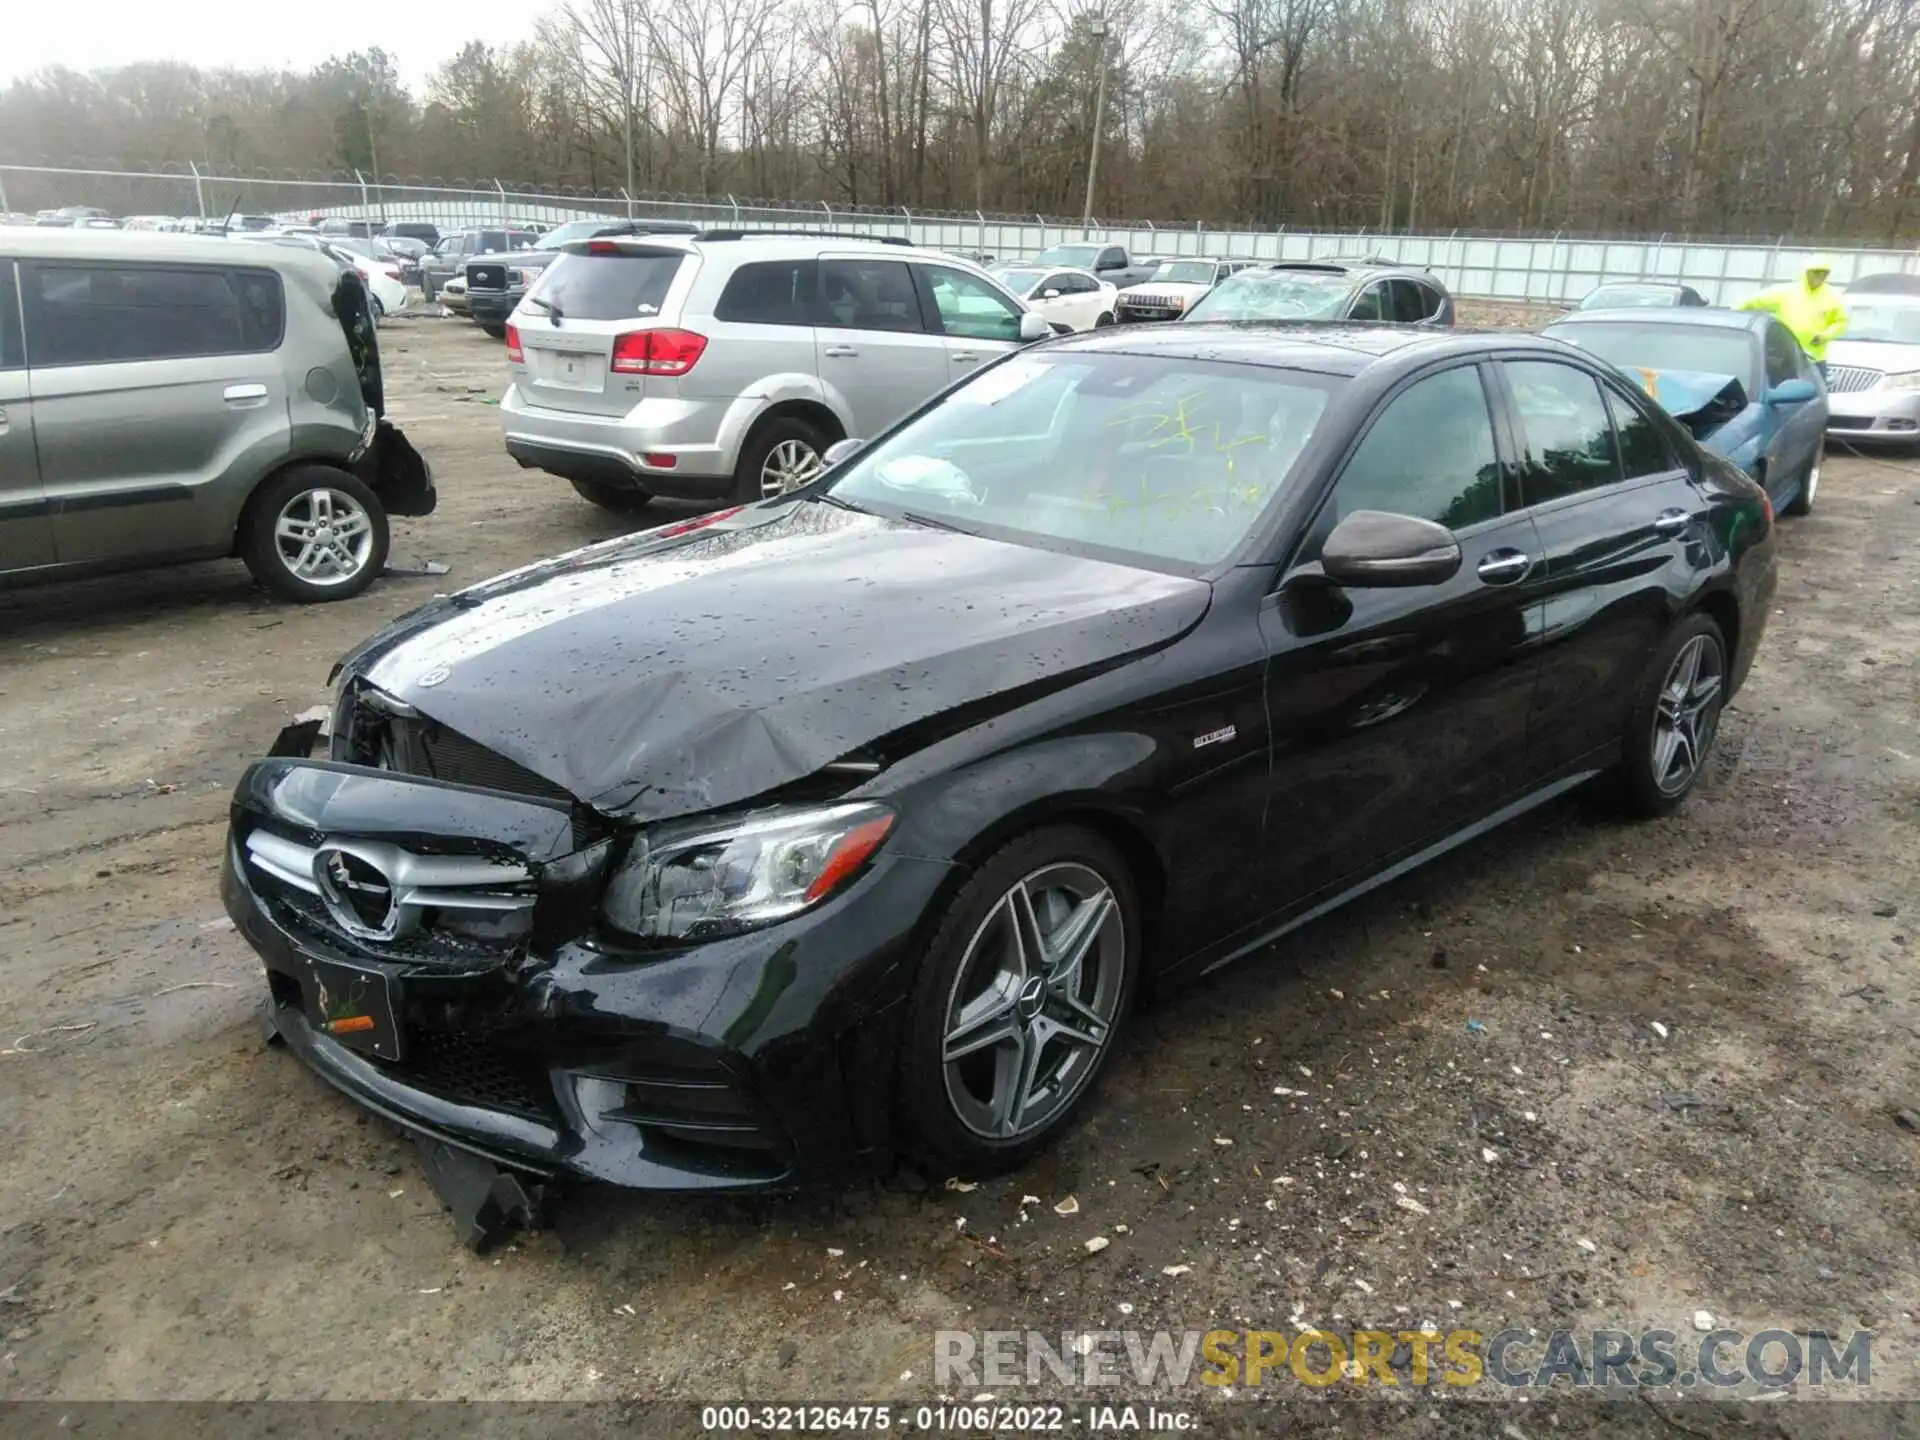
x=355, y=1005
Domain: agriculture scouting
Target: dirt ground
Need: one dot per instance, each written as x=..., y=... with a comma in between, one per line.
x=1621, y=1074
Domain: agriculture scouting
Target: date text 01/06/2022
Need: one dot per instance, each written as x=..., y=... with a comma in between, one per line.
x=966, y=1418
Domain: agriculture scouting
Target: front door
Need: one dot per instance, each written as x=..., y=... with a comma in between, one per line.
x=979, y=322
x=871, y=342
x=26, y=534
x=157, y=393
x=1399, y=715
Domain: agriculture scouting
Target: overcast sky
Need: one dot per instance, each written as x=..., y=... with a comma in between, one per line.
x=250, y=34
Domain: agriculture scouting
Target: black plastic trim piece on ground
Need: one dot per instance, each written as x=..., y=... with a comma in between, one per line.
x=488, y=1203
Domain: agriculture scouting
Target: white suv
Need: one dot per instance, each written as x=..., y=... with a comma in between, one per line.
x=723, y=365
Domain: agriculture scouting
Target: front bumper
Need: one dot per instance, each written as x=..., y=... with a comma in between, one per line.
x=1878, y=414
x=493, y=307
x=759, y=1062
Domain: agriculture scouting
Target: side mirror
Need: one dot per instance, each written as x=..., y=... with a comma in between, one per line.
x=1034, y=326
x=1791, y=392
x=841, y=450
x=1374, y=548
x=1049, y=294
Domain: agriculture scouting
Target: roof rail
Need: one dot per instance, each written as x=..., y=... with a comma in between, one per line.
x=734, y=234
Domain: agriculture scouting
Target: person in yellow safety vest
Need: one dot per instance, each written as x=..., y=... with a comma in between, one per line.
x=1809, y=307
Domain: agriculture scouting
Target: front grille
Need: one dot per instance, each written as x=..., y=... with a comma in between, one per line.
x=1847, y=379
x=486, y=277
x=1149, y=307
x=469, y=1071
x=1849, y=422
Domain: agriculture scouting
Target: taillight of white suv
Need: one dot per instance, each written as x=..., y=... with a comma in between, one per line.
x=657, y=352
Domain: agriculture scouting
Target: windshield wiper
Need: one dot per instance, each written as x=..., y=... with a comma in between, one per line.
x=934, y=522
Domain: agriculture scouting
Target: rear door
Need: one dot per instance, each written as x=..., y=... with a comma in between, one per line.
x=764, y=340
x=978, y=320
x=1619, y=520
x=871, y=341
x=1399, y=715
x=1799, y=426
x=26, y=533
x=1373, y=303
x=580, y=329
x=157, y=392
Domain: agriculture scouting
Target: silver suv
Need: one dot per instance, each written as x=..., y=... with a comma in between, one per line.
x=724, y=365
x=167, y=398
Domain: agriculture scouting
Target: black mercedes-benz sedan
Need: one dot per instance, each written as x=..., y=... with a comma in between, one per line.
x=775, y=844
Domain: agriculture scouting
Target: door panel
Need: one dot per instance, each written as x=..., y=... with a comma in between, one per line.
x=26, y=534
x=1399, y=715
x=144, y=450
x=979, y=322
x=870, y=342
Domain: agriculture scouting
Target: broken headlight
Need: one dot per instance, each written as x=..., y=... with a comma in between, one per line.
x=705, y=879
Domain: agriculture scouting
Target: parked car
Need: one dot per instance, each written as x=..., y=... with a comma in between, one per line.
x=1374, y=292
x=1642, y=295
x=496, y=282
x=381, y=275
x=426, y=235
x=1173, y=288
x=1873, y=370
x=1737, y=380
x=342, y=225
x=799, y=340
x=169, y=398
x=1077, y=299
x=1111, y=263
x=1029, y=743
x=453, y=295
x=450, y=256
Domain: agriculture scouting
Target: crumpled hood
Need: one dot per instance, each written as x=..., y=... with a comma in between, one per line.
x=661, y=675
x=1685, y=393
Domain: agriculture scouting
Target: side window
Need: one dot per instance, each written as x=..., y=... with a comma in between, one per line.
x=1429, y=453
x=1372, y=304
x=1566, y=428
x=777, y=292
x=1113, y=258
x=868, y=295
x=1071, y=284
x=970, y=309
x=1783, y=354
x=99, y=314
x=13, y=352
x=1409, y=302
x=1642, y=451
x=263, y=309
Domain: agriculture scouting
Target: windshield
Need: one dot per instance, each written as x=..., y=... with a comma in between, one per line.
x=1081, y=256
x=1274, y=295
x=1612, y=297
x=1160, y=460
x=1186, y=272
x=1711, y=350
x=1886, y=318
x=1018, y=281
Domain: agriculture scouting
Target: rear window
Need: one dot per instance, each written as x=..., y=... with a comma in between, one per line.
x=100, y=314
x=625, y=286
x=777, y=292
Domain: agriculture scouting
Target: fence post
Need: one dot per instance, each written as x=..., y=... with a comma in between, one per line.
x=501, y=191
x=5, y=208
x=629, y=199
x=1773, y=260
x=829, y=210
x=199, y=192
x=366, y=206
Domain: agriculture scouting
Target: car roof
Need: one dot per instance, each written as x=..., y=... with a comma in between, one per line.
x=1330, y=347
x=150, y=246
x=1696, y=316
x=1358, y=270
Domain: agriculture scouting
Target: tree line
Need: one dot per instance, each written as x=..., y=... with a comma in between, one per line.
x=1713, y=118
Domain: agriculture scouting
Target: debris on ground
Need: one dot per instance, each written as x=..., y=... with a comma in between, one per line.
x=1068, y=1206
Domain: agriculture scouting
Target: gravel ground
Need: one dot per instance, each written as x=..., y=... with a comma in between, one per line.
x=1578, y=1075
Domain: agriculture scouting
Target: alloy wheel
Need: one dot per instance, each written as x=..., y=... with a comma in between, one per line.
x=789, y=465
x=323, y=536
x=1687, y=713
x=1034, y=1002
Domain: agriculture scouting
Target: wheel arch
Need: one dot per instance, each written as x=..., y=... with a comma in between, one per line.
x=245, y=513
x=814, y=412
x=1723, y=608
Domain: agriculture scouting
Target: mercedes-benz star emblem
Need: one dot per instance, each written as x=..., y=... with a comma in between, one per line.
x=357, y=893
x=433, y=677
x=1032, y=995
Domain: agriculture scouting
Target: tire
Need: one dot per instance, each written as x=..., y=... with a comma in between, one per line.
x=1104, y=321
x=301, y=500
x=496, y=332
x=1650, y=778
x=956, y=1118
x=785, y=437
x=379, y=308
x=1809, y=486
x=620, y=499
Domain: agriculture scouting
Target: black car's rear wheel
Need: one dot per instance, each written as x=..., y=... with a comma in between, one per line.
x=1675, y=718
x=1016, y=1008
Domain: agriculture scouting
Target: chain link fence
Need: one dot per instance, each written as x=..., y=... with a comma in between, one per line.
x=1554, y=269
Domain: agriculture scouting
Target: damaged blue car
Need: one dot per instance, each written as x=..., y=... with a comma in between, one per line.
x=1738, y=381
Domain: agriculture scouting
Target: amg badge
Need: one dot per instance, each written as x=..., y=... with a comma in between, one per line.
x=1214, y=737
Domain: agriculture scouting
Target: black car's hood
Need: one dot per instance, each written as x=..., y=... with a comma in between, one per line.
x=663, y=674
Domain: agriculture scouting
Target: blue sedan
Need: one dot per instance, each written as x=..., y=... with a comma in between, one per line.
x=1739, y=381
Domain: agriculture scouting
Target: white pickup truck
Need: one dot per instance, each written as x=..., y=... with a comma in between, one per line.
x=1110, y=263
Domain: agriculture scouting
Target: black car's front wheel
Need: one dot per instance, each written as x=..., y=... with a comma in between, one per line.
x=1675, y=718
x=1018, y=1003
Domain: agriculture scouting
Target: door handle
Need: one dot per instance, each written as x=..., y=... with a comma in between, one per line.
x=240, y=394
x=840, y=352
x=1671, y=522
x=962, y=357
x=1503, y=567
